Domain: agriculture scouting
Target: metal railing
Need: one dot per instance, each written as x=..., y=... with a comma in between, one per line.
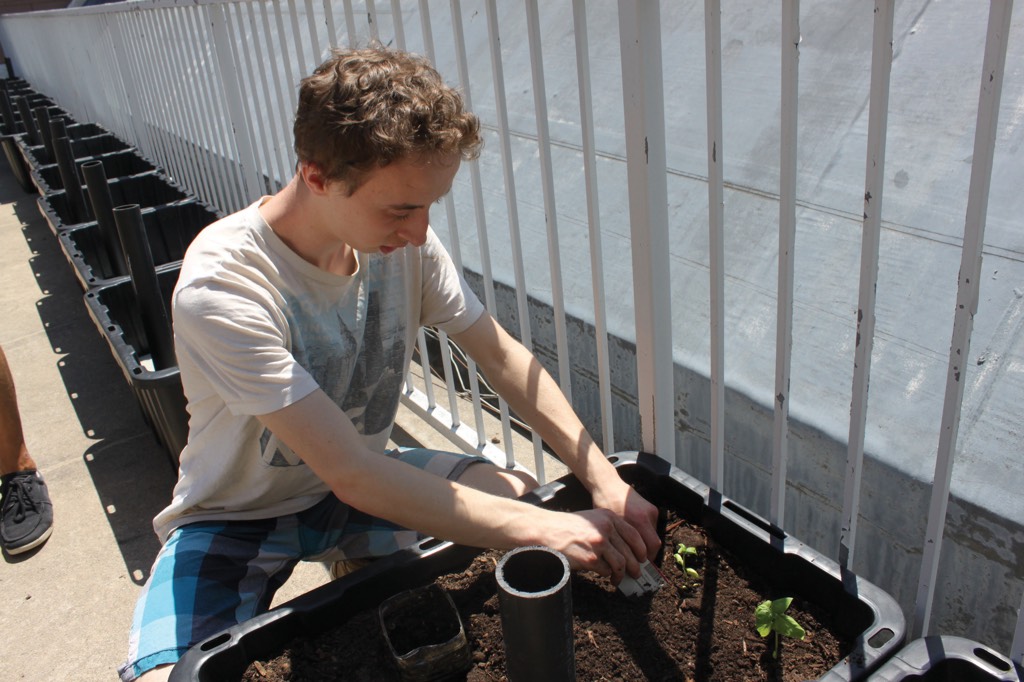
x=207, y=88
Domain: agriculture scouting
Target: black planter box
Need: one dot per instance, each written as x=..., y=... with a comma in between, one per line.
x=23, y=141
x=943, y=658
x=115, y=312
x=93, y=145
x=146, y=190
x=38, y=157
x=869, y=615
x=115, y=165
x=170, y=229
x=36, y=99
x=16, y=162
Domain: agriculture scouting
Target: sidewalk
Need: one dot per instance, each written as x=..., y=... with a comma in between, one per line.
x=67, y=606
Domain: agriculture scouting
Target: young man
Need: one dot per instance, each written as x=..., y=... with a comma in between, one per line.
x=295, y=321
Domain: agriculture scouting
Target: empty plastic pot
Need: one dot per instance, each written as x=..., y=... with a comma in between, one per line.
x=425, y=635
x=103, y=210
x=152, y=310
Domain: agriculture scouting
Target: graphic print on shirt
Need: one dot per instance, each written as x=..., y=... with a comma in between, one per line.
x=376, y=384
x=353, y=345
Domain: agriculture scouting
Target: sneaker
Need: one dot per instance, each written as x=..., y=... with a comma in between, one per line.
x=26, y=514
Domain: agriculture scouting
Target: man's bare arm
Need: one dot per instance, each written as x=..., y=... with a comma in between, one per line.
x=324, y=437
x=534, y=396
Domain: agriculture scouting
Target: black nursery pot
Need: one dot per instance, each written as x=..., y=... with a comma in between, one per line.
x=170, y=229
x=115, y=164
x=868, y=614
x=16, y=162
x=83, y=146
x=147, y=190
x=116, y=314
x=942, y=658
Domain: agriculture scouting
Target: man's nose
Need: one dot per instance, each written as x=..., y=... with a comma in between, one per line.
x=415, y=232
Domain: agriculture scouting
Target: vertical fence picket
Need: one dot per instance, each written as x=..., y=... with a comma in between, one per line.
x=372, y=19
x=398, y=24
x=197, y=176
x=579, y=14
x=481, y=222
x=123, y=59
x=512, y=208
x=968, y=286
x=282, y=47
x=242, y=151
x=273, y=122
x=283, y=102
x=302, y=60
x=351, y=36
x=332, y=35
x=716, y=235
x=874, y=183
x=314, y=34
x=540, y=106
x=643, y=104
x=426, y=30
x=787, y=242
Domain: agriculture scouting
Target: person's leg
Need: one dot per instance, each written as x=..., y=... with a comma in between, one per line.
x=207, y=577
x=13, y=452
x=26, y=514
x=497, y=481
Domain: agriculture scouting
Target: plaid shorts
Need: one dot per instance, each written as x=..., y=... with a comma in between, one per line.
x=214, y=574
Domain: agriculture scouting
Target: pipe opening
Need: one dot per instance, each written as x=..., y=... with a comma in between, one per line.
x=535, y=571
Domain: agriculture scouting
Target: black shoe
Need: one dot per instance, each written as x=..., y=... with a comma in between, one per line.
x=26, y=516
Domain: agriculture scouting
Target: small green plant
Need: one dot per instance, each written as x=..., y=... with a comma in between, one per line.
x=681, y=553
x=770, y=616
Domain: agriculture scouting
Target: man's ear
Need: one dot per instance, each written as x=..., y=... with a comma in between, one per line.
x=314, y=177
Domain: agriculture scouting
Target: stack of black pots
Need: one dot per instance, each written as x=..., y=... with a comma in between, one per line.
x=124, y=225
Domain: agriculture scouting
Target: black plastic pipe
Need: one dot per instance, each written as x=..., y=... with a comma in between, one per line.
x=535, y=599
x=152, y=309
x=42, y=114
x=26, y=120
x=69, y=178
x=58, y=128
x=112, y=253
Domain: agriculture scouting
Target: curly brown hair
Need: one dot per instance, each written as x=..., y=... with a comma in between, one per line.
x=364, y=108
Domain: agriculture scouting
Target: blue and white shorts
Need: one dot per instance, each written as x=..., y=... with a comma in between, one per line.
x=214, y=574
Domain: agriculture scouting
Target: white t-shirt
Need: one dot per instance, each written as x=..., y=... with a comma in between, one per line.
x=257, y=328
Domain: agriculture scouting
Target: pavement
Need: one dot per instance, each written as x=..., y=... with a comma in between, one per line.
x=67, y=606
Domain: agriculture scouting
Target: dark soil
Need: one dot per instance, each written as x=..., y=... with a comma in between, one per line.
x=690, y=630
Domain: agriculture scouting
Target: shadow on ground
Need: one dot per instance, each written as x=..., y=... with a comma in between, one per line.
x=132, y=473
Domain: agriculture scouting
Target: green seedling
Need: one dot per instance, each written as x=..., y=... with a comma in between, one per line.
x=681, y=553
x=770, y=616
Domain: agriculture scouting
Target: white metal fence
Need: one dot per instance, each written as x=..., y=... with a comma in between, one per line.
x=207, y=89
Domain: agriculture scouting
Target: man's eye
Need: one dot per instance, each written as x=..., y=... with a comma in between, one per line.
x=401, y=216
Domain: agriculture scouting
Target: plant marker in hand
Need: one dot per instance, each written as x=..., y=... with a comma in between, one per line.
x=650, y=581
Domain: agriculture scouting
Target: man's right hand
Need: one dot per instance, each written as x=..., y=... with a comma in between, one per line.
x=595, y=540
